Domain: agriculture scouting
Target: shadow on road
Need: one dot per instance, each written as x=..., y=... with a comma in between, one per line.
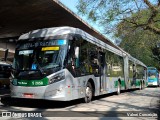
x=112, y=94
x=7, y=101
x=39, y=103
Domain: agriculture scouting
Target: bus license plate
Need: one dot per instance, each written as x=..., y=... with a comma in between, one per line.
x=28, y=95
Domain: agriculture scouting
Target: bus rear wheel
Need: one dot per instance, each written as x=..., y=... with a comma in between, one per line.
x=88, y=93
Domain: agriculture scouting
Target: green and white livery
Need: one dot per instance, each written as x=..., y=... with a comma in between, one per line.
x=66, y=63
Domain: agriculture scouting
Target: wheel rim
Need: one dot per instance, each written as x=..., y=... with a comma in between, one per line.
x=88, y=92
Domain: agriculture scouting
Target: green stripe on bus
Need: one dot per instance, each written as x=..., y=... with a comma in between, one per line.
x=116, y=83
x=137, y=82
x=33, y=83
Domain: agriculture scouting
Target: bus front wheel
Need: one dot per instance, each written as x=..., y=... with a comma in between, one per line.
x=88, y=93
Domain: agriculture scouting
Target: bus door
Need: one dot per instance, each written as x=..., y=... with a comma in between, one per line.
x=102, y=69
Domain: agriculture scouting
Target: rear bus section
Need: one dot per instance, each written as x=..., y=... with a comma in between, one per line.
x=137, y=74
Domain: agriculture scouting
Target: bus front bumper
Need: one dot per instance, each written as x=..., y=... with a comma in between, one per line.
x=152, y=83
x=41, y=92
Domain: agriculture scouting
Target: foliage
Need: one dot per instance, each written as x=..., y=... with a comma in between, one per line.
x=110, y=12
x=139, y=43
x=156, y=55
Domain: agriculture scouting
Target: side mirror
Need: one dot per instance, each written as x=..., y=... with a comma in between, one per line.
x=76, y=52
x=6, y=55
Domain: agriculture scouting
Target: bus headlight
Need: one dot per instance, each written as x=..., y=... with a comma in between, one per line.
x=57, y=77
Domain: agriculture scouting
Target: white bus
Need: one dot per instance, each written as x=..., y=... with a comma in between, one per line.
x=66, y=63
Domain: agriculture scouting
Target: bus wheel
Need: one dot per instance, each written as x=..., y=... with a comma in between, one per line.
x=119, y=88
x=88, y=93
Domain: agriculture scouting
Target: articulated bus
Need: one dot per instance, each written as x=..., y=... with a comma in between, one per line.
x=153, y=76
x=66, y=63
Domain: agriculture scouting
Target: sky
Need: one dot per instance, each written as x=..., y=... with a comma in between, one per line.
x=71, y=4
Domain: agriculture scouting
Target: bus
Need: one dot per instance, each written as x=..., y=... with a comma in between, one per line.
x=153, y=76
x=66, y=63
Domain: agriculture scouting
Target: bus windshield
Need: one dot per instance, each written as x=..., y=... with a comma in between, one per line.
x=32, y=59
x=40, y=55
x=152, y=73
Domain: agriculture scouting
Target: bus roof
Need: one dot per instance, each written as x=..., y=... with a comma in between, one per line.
x=151, y=68
x=57, y=31
x=136, y=61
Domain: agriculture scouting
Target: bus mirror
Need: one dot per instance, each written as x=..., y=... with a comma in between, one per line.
x=76, y=52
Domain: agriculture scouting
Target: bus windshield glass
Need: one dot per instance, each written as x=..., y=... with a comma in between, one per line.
x=32, y=59
x=152, y=73
x=40, y=55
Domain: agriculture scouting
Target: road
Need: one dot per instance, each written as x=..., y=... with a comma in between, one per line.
x=128, y=105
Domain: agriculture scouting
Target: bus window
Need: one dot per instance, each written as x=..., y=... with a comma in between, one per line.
x=115, y=65
x=93, y=58
x=84, y=57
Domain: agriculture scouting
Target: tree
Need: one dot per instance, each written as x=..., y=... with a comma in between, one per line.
x=135, y=22
x=139, y=43
x=110, y=12
x=156, y=55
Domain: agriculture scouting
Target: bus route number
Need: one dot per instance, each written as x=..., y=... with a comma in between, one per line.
x=38, y=83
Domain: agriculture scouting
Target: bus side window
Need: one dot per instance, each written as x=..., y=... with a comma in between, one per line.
x=84, y=57
x=93, y=59
x=72, y=61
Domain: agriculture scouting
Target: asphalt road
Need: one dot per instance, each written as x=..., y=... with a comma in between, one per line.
x=134, y=104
